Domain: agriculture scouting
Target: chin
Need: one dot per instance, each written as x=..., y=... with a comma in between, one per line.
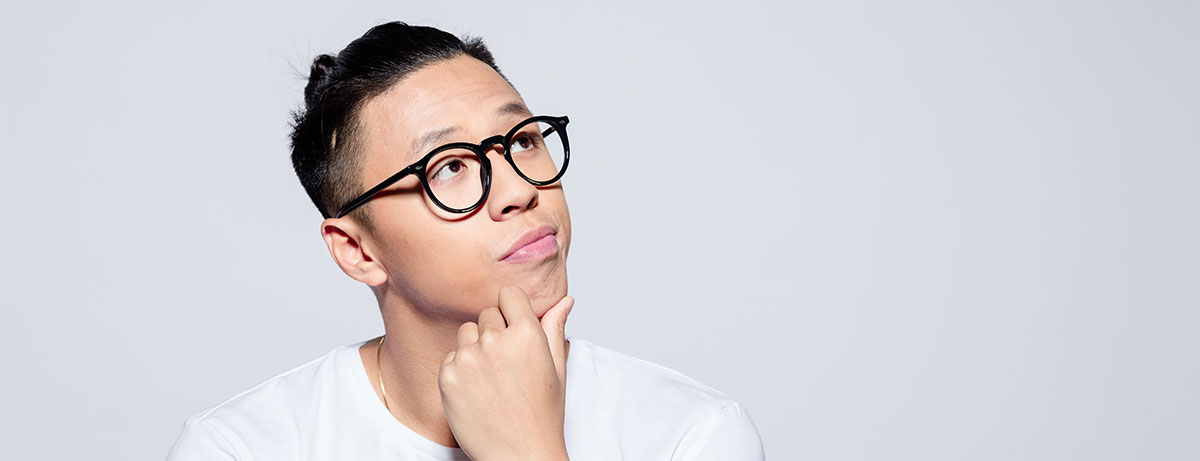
x=545, y=294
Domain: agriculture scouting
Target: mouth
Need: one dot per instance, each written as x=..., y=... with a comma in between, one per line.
x=535, y=244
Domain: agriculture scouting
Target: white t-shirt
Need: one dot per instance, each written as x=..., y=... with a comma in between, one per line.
x=617, y=407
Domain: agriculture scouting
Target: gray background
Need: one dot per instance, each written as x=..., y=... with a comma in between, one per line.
x=924, y=230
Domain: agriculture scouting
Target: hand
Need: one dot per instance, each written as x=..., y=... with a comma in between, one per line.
x=503, y=390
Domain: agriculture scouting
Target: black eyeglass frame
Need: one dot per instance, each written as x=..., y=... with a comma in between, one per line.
x=557, y=123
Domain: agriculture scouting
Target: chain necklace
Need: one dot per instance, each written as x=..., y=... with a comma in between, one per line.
x=379, y=366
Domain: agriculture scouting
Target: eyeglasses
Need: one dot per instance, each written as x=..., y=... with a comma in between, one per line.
x=457, y=176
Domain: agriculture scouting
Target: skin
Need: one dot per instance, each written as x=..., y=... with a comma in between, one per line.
x=475, y=356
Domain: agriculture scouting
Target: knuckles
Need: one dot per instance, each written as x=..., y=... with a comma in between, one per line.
x=490, y=346
x=447, y=378
x=446, y=373
x=487, y=337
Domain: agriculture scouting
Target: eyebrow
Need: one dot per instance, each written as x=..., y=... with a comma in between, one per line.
x=425, y=141
x=430, y=138
x=514, y=108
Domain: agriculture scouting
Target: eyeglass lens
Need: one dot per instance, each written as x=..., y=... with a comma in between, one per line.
x=455, y=176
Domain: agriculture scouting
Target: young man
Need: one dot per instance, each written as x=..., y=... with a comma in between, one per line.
x=464, y=244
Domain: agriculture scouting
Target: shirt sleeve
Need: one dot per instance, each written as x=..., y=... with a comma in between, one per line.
x=728, y=435
x=200, y=441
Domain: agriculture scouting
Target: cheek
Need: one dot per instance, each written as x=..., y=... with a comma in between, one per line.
x=443, y=255
x=424, y=253
x=564, y=219
x=445, y=263
x=564, y=238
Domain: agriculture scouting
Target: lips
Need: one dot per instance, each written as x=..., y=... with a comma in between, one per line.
x=532, y=244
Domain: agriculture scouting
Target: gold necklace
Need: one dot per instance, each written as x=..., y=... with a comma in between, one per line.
x=379, y=366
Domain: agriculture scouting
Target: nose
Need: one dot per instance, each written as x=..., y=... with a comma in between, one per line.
x=510, y=193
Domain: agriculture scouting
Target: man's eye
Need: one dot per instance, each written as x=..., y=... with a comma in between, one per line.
x=522, y=143
x=449, y=170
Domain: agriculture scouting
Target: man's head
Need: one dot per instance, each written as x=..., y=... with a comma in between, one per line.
x=369, y=112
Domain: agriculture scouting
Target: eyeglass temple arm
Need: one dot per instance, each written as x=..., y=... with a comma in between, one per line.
x=563, y=120
x=357, y=202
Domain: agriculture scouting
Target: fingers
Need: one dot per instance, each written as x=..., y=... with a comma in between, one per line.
x=468, y=334
x=491, y=319
x=514, y=304
x=554, y=324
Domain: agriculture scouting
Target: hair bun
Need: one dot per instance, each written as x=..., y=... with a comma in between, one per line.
x=322, y=66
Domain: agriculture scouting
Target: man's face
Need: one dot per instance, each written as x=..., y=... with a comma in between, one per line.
x=449, y=265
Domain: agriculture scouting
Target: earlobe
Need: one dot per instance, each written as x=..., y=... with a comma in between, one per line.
x=345, y=246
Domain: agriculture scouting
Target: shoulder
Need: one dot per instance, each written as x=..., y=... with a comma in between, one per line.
x=727, y=433
x=656, y=405
x=288, y=389
x=624, y=373
x=269, y=412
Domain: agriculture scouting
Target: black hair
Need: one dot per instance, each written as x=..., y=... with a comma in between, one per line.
x=325, y=150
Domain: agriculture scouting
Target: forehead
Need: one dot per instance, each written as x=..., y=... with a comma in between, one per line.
x=461, y=98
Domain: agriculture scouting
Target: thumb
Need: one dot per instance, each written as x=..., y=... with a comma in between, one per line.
x=554, y=323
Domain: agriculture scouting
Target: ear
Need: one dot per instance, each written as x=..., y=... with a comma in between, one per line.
x=345, y=238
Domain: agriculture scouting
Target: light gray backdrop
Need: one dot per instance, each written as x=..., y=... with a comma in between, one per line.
x=922, y=230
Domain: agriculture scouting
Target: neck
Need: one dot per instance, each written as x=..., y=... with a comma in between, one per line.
x=411, y=357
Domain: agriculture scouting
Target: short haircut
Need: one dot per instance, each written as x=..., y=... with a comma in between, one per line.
x=326, y=151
